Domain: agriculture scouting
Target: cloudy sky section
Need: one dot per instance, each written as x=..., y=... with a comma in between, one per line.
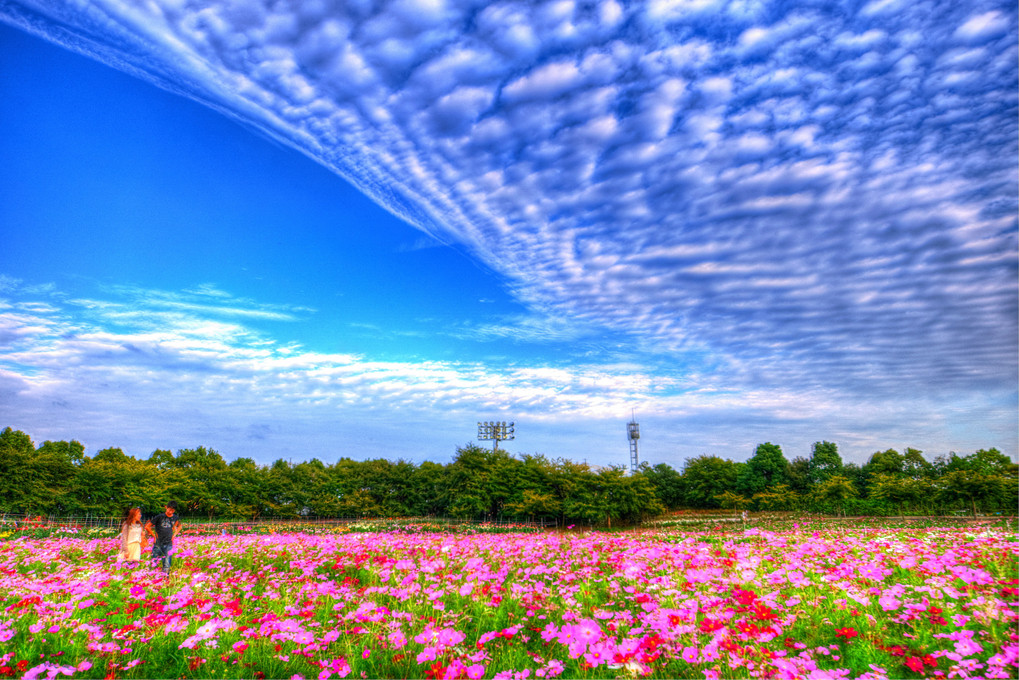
x=749, y=220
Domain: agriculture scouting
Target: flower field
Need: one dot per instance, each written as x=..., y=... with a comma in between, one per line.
x=800, y=603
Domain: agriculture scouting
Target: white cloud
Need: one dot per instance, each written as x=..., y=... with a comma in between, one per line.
x=984, y=26
x=657, y=164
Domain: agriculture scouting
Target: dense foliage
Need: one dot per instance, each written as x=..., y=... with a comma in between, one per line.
x=57, y=478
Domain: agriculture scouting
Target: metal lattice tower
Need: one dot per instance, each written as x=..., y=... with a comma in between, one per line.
x=633, y=434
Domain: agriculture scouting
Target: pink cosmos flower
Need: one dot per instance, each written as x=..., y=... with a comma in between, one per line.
x=889, y=603
x=598, y=654
x=967, y=647
x=588, y=630
x=450, y=637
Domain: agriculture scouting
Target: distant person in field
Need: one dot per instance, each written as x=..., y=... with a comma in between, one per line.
x=132, y=538
x=163, y=528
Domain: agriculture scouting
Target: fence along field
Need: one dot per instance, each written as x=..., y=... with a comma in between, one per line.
x=782, y=599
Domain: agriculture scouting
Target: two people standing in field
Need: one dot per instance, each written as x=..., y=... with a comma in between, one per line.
x=162, y=528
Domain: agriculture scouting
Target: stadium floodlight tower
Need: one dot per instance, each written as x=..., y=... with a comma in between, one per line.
x=496, y=432
x=633, y=434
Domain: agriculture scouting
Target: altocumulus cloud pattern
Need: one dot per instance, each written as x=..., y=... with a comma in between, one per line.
x=809, y=195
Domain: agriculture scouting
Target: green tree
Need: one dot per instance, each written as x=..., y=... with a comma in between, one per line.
x=989, y=461
x=825, y=462
x=55, y=464
x=20, y=489
x=765, y=469
x=162, y=459
x=835, y=491
x=481, y=481
x=247, y=492
x=732, y=501
x=666, y=482
x=431, y=490
x=915, y=466
x=896, y=489
x=778, y=497
x=625, y=498
x=111, y=482
x=283, y=498
x=534, y=504
x=310, y=491
x=573, y=486
x=201, y=484
x=799, y=475
x=887, y=462
x=975, y=488
x=706, y=477
x=73, y=451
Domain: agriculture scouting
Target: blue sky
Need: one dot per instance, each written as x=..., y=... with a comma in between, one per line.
x=319, y=230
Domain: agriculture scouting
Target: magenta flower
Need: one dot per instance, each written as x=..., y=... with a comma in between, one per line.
x=967, y=647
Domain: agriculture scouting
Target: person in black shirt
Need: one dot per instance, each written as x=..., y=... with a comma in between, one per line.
x=163, y=528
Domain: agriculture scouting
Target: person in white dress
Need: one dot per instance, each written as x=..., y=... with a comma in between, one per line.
x=132, y=538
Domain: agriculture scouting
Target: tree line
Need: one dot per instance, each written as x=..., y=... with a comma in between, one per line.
x=57, y=478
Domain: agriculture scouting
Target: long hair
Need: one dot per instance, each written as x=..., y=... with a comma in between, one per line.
x=131, y=516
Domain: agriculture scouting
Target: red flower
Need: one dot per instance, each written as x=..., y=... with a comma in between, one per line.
x=27, y=602
x=744, y=597
x=437, y=671
x=930, y=661
x=915, y=664
x=748, y=628
x=711, y=625
x=847, y=633
x=7, y=671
